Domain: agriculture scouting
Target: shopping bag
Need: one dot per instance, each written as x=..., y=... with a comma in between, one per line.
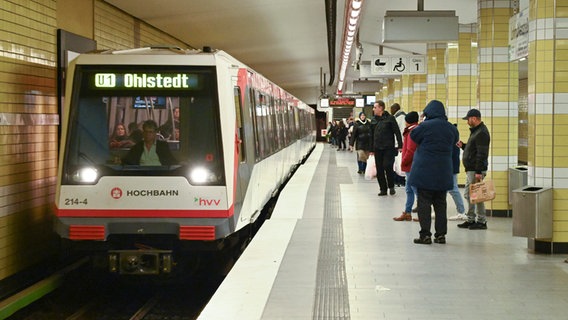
x=481, y=191
x=397, y=165
x=371, y=170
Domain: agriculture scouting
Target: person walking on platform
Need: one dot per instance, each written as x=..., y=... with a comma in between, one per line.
x=332, y=131
x=432, y=170
x=361, y=139
x=475, y=154
x=341, y=136
x=385, y=130
x=408, y=148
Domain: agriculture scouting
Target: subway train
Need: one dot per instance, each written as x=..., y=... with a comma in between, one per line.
x=231, y=136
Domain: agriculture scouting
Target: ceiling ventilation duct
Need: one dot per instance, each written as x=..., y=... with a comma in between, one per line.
x=420, y=26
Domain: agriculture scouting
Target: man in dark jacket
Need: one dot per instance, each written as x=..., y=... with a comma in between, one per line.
x=476, y=152
x=361, y=139
x=432, y=171
x=150, y=152
x=385, y=130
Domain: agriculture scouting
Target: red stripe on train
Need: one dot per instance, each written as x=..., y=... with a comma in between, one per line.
x=140, y=213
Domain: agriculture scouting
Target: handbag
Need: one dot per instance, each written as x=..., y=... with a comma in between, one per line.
x=371, y=170
x=363, y=155
x=481, y=191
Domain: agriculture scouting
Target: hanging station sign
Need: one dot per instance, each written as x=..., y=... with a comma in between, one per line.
x=398, y=65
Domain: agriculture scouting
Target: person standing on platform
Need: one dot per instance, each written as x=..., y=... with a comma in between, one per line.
x=432, y=170
x=361, y=139
x=399, y=115
x=455, y=192
x=385, y=130
x=408, y=149
x=475, y=155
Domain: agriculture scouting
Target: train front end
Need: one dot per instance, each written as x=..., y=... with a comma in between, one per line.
x=140, y=208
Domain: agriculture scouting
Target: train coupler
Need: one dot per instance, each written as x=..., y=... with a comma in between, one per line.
x=140, y=262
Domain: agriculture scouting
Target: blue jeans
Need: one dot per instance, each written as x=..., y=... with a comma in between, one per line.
x=456, y=195
x=410, y=194
x=474, y=209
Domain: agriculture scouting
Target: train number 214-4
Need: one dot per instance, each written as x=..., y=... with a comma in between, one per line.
x=75, y=201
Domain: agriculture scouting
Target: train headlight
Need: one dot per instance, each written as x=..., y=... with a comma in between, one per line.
x=200, y=175
x=85, y=175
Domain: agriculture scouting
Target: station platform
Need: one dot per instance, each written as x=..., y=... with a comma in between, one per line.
x=331, y=250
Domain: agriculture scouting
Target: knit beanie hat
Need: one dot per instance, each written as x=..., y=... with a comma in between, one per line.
x=411, y=117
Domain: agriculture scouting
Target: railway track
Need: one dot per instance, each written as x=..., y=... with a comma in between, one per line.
x=85, y=294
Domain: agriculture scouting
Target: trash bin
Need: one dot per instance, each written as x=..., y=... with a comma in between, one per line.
x=517, y=179
x=532, y=212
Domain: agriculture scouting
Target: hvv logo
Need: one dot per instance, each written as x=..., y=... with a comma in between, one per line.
x=206, y=202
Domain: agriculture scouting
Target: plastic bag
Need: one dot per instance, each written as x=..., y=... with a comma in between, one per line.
x=397, y=165
x=371, y=170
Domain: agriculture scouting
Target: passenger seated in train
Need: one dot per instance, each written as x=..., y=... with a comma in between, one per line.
x=168, y=129
x=135, y=132
x=120, y=138
x=150, y=151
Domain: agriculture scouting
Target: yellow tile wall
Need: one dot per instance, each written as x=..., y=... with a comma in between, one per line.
x=436, y=72
x=28, y=150
x=462, y=85
x=548, y=126
x=114, y=29
x=498, y=83
x=501, y=182
x=407, y=84
x=560, y=215
x=419, y=96
x=388, y=97
x=397, y=92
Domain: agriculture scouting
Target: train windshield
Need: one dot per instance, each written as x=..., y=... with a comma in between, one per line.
x=150, y=120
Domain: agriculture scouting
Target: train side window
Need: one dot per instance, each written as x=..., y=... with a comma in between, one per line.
x=271, y=138
x=252, y=106
x=240, y=133
x=261, y=123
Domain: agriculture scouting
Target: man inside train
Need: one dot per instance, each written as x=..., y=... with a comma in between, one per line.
x=150, y=151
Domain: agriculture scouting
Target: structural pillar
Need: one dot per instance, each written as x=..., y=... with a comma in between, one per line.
x=436, y=72
x=419, y=95
x=407, y=92
x=462, y=78
x=548, y=112
x=498, y=96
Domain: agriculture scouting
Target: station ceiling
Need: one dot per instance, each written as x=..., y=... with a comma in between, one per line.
x=285, y=40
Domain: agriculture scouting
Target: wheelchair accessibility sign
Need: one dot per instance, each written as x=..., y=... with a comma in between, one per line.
x=398, y=65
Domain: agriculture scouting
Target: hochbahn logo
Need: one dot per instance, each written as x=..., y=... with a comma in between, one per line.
x=117, y=193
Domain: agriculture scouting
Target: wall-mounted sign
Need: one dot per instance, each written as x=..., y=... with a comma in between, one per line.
x=398, y=65
x=519, y=35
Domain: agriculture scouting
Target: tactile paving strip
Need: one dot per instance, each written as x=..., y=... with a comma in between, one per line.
x=331, y=299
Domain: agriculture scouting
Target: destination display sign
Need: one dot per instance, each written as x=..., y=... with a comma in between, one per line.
x=144, y=80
